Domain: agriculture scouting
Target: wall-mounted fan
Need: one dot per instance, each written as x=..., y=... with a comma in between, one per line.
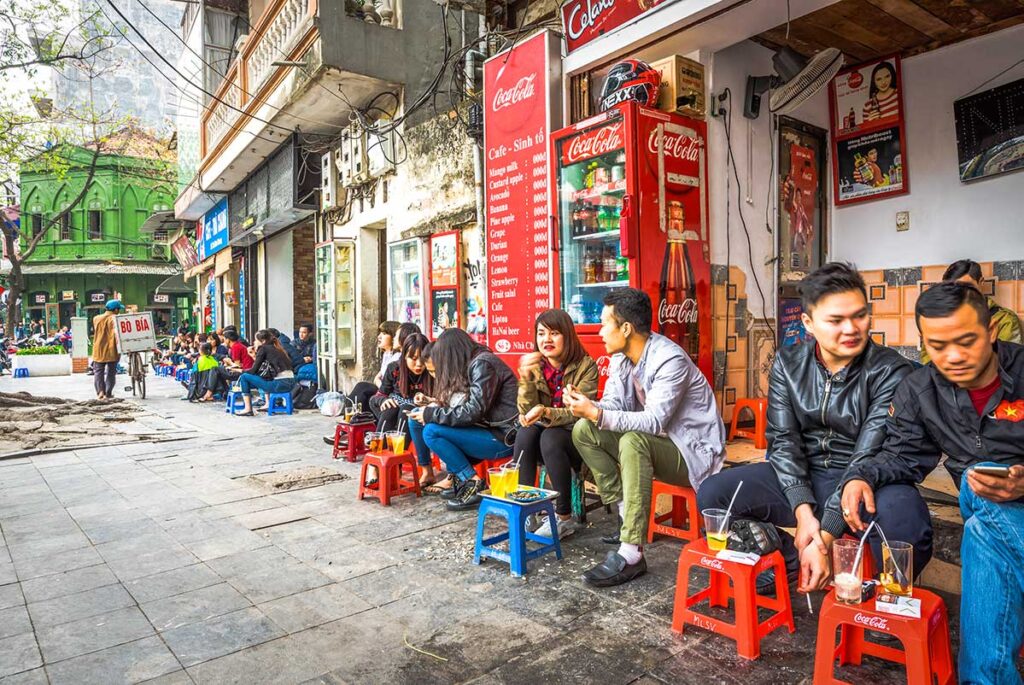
x=796, y=80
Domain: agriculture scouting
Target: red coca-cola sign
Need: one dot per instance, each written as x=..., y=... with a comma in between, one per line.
x=712, y=563
x=873, y=622
x=684, y=312
x=585, y=20
x=675, y=145
x=593, y=143
x=522, y=90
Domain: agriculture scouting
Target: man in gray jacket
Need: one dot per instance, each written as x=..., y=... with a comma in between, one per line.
x=656, y=419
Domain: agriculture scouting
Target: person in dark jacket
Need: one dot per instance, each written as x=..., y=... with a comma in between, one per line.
x=271, y=370
x=969, y=405
x=828, y=401
x=305, y=346
x=477, y=417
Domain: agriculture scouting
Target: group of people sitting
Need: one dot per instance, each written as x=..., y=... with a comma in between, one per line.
x=271, y=363
x=853, y=428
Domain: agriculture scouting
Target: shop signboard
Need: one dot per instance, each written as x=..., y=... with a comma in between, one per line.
x=184, y=250
x=39, y=298
x=67, y=295
x=585, y=20
x=214, y=236
x=869, y=132
x=96, y=297
x=135, y=332
x=520, y=100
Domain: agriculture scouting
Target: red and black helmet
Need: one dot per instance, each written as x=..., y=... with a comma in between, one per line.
x=631, y=79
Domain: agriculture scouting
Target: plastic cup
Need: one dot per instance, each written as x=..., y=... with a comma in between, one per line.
x=847, y=577
x=375, y=441
x=897, y=576
x=396, y=441
x=511, y=479
x=496, y=476
x=716, y=527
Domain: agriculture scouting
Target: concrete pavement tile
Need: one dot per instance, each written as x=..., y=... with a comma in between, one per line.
x=14, y=621
x=100, y=534
x=287, y=578
x=280, y=661
x=692, y=666
x=215, y=637
x=245, y=506
x=19, y=653
x=425, y=613
x=651, y=640
x=37, y=676
x=47, y=545
x=128, y=663
x=138, y=545
x=57, y=563
x=194, y=606
x=60, y=584
x=350, y=561
x=392, y=583
x=92, y=634
x=150, y=564
x=313, y=607
x=249, y=561
x=7, y=573
x=269, y=517
x=572, y=662
x=68, y=608
x=199, y=528
x=5, y=556
x=223, y=545
x=174, y=678
x=11, y=595
x=170, y=583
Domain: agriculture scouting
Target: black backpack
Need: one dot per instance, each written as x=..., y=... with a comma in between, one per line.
x=304, y=396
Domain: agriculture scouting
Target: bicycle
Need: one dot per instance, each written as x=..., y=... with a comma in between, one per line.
x=137, y=374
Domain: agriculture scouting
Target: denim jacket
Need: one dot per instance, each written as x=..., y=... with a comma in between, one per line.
x=679, y=405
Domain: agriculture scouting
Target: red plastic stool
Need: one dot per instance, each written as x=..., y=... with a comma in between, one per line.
x=926, y=652
x=390, y=470
x=747, y=631
x=759, y=407
x=684, y=512
x=356, y=439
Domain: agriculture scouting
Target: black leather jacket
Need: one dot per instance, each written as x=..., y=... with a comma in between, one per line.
x=818, y=421
x=490, y=400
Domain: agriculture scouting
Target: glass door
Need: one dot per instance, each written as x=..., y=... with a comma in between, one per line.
x=406, y=282
x=345, y=300
x=591, y=186
x=324, y=301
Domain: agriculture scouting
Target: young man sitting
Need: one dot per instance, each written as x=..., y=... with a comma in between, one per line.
x=969, y=405
x=657, y=419
x=827, y=405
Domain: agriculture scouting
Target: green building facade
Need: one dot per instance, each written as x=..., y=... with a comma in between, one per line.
x=99, y=252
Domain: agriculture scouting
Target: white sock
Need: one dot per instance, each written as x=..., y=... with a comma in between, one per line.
x=631, y=553
x=622, y=509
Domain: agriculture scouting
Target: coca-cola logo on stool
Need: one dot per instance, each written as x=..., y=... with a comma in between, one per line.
x=712, y=563
x=874, y=622
x=593, y=143
x=506, y=97
x=678, y=146
x=683, y=312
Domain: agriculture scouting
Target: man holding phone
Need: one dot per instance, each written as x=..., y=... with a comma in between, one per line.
x=969, y=405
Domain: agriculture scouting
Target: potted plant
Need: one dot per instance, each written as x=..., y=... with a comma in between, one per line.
x=43, y=360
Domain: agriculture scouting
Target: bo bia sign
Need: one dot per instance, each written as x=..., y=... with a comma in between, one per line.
x=135, y=332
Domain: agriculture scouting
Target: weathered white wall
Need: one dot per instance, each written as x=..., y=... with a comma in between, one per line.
x=279, y=282
x=949, y=220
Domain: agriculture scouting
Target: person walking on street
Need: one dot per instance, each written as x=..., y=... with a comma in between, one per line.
x=104, y=351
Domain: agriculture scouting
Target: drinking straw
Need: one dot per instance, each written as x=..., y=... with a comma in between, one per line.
x=860, y=547
x=895, y=566
x=728, y=510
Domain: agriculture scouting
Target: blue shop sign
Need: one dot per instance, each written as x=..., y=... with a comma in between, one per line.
x=215, y=230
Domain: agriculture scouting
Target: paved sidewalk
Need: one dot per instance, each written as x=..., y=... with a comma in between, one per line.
x=165, y=563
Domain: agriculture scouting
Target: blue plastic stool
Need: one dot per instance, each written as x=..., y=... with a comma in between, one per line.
x=285, y=399
x=235, y=403
x=515, y=513
x=21, y=372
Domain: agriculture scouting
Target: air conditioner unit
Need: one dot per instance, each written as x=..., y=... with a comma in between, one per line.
x=329, y=181
x=380, y=150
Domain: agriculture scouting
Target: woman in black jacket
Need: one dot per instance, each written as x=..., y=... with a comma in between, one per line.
x=477, y=417
x=271, y=370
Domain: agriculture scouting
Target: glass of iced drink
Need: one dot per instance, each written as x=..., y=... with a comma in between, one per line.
x=496, y=477
x=716, y=527
x=846, y=568
x=897, y=568
x=396, y=441
x=511, y=478
x=375, y=442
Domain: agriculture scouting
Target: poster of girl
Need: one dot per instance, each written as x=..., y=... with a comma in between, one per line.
x=883, y=97
x=867, y=96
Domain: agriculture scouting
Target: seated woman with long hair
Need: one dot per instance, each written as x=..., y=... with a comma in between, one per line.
x=271, y=370
x=477, y=415
x=546, y=435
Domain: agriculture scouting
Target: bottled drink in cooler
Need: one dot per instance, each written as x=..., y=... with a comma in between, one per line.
x=677, y=308
x=610, y=267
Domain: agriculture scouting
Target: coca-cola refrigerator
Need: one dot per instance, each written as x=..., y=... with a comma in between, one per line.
x=630, y=209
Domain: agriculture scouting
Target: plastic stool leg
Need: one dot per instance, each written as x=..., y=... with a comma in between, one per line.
x=481, y=519
x=549, y=508
x=517, y=543
x=748, y=645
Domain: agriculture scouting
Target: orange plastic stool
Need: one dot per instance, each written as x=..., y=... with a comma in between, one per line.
x=356, y=439
x=759, y=407
x=926, y=652
x=747, y=631
x=684, y=512
x=390, y=472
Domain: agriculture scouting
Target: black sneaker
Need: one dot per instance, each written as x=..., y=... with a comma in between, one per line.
x=468, y=496
x=450, y=492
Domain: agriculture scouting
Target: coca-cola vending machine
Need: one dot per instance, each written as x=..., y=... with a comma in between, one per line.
x=630, y=209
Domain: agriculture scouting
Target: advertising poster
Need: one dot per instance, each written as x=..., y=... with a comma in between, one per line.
x=990, y=131
x=185, y=252
x=444, y=310
x=585, y=20
x=801, y=216
x=868, y=131
x=791, y=328
x=444, y=260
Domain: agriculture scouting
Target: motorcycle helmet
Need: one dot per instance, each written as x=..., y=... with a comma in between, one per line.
x=631, y=79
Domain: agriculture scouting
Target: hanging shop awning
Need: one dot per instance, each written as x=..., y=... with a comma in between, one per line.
x=175, y=285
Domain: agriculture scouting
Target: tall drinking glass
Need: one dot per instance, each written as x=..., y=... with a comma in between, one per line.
x=897, y=568
x=716, y=527
x=496, y=476
x=847, y=577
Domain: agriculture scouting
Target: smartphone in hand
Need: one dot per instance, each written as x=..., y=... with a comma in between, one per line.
x=997, y=471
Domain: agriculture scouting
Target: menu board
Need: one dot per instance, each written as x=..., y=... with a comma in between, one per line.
x=519, y=96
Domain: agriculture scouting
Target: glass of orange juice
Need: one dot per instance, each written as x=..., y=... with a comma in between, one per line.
x=496, y=477
x=396, y=441
x=716, y=526
x=511, y=478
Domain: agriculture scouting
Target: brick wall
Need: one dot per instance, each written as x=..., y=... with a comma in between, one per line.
x=303, y=271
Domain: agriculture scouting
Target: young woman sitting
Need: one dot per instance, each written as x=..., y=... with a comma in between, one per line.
x=402, y=382
x=271, y=370
x=477, y=416
x=389, y=351
x=546, y=434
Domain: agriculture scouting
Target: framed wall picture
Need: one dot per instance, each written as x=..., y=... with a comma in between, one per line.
x=802, y=199
x=868, y=131
x=444, y=260
x=990, y=131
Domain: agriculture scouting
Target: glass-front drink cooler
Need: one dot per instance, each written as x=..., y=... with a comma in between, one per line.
x=405, y=266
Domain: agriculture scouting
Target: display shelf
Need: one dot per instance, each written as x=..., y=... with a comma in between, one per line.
x=604, y=284
x=600, y=235
x=600, y=190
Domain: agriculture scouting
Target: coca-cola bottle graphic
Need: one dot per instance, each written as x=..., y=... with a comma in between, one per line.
x=677, y=306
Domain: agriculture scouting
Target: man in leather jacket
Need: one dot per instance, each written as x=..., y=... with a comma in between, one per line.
x=828, y=401
x=969, y=405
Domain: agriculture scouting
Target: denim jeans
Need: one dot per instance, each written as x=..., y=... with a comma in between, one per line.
x=248, y=381
x=992, y=603
x=458, y=447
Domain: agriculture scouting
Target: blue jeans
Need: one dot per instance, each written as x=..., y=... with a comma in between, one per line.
x=992, y=603
x=248, y=381
x=458, y=447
